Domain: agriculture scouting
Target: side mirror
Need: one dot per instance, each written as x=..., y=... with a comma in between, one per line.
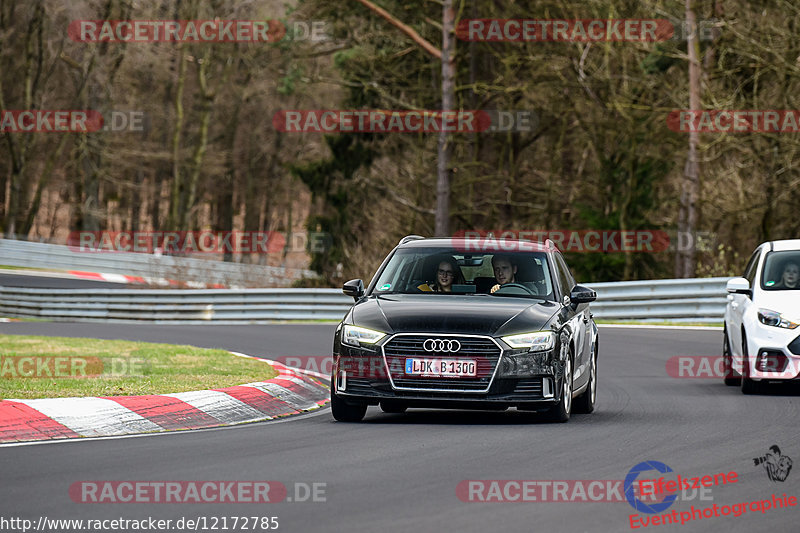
x=582, y=295
x=354, y=288
x=739, y=286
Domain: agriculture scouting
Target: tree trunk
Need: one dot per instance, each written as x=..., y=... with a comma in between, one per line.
x=687, y=259
x=442, y=224
x=18, y=147
x=42, y=182
x=176, y=194
x=206, y=104
x=225, y=201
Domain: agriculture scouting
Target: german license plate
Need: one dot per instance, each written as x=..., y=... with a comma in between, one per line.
x=456, y=368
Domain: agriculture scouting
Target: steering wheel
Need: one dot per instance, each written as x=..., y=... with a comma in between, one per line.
x=515, y=286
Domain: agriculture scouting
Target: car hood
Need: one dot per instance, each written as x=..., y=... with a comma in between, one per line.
x=475, y=314
x=784, y=302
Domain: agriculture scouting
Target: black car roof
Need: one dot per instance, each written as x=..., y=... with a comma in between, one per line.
x=488, y=244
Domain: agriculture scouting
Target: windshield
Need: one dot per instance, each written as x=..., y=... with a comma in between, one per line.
x=781, y=271
x=451, y=271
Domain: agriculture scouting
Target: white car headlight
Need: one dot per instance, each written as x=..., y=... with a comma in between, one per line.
x=774, y=318
x=537, y=341
x=356, y=335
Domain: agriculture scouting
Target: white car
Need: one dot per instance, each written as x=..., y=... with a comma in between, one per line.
x=761, y=336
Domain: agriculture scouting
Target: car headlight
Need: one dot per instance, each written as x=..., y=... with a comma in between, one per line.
x=537, y=341
x=356, y=335
x=774, y=318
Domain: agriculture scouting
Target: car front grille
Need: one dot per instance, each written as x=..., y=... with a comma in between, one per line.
x=482, y=349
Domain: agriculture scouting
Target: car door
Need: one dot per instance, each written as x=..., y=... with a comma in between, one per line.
x=575, y=321
x=737, y=305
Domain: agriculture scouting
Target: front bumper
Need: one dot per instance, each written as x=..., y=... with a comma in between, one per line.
x=374, y=374
x=774, y=353
x=520, y=393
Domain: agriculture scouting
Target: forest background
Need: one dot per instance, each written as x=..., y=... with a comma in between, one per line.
x=600, y=157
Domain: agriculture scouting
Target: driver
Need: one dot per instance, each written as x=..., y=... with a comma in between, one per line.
x=505, y=272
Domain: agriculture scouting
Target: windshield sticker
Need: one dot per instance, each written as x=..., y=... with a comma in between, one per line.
x=385, y=287
x=769, y=283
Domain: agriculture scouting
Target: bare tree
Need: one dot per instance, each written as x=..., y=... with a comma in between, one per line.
x=685, y=259
x=442, y=227
x=446, y=55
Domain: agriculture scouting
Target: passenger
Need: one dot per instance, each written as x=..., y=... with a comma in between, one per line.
x=446, y=274
x=504, y=270
x=790, y=278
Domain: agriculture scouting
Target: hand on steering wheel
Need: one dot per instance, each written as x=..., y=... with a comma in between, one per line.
x=497, y=288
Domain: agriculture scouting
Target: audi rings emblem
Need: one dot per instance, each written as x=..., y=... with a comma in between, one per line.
x=441, y=345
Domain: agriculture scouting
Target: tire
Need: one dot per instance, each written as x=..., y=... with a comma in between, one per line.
x=586, y=402
x=562, y=410
x=343, y=411
x=393, y=408
x=748, y=385
x=730, y=378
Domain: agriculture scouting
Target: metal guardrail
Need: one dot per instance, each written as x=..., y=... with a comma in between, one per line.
x=147, y=266
x=183, y=306
x=675, y=300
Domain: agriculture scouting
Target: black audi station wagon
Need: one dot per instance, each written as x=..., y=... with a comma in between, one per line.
x=465, y=324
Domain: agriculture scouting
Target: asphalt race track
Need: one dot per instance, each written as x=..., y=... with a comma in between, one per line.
x=400, y=472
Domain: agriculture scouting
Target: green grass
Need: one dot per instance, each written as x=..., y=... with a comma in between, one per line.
x=92, y=367
x=9, y=267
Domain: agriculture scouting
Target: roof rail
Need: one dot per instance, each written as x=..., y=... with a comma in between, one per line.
x=409, y=238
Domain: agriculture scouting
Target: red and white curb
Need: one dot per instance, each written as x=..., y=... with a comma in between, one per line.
x=124, y=278
x=290, y=392
x=118, y=278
